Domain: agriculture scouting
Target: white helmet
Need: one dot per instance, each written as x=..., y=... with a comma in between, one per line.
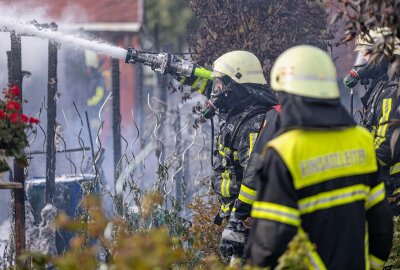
x=305, y=71
x=366, y=41
x=240, y=66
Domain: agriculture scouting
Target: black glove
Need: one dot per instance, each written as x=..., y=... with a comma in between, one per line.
x=233, y=239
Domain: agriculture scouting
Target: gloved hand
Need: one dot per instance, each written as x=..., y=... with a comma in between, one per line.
x=233, y=239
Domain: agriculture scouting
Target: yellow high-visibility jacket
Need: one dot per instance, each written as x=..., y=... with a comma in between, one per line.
x=323, y=183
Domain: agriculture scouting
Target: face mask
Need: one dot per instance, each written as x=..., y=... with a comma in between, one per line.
x=360, y=64
x=363, y=71
x=216, y=102
x=210, y=108
x=219, y=87
x=221, y=94
x=221, y=100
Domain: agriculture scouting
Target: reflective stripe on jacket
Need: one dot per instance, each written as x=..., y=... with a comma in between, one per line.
x=247, y=193
x=381, y=103
x=228, y=176
x=323, y=183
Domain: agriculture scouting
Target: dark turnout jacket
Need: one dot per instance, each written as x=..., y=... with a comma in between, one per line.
x=381, y=104
x=248, y=188
x=320, y=177
x=235, y=143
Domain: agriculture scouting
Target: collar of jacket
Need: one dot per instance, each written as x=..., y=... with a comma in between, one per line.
x=373, y=89
x=311, y=113
x=252, y=96
x=376, y=87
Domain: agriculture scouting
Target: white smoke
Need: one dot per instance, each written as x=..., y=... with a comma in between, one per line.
x=31, y=230
x=47, y=230
x=24, y=12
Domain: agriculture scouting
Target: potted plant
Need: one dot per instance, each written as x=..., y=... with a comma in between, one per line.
x=13, y=127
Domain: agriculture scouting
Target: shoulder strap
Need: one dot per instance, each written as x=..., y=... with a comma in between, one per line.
x=247, y=116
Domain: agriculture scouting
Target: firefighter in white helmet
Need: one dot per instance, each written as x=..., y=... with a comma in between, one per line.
x=241, y=96
x=380, y=103
x=319, y=175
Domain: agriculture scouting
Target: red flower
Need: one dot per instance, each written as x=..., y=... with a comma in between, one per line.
x=14, y=117
x=14, y=91
x=2, y=114
x=13, y=106
x=24, y=118
x=33, y=120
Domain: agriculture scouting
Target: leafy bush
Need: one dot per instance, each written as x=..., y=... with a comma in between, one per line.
x=265, y=28
x=102, y=243
x=359, y=16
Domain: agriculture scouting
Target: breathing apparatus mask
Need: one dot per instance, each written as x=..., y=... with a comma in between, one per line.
x=364, y=71
x=221, y=98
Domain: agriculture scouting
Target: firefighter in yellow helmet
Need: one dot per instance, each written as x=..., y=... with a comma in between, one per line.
x=241, y=97
x=319, y=175
x=380, y=104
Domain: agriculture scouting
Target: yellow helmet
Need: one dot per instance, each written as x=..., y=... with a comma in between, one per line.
x=305, y=71
x=366, y=41
x=240, y=66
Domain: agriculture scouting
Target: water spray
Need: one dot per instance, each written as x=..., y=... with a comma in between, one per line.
x=10, y=24
x=159, y=62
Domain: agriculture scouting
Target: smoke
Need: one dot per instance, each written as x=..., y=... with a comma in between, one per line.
x=26, y=14
x=72, y=86
x=24, y=11
x=47, y=231
x=27, y=11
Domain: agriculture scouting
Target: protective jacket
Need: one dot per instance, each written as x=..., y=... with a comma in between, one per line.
x=320, y=177
x=381, y=106
x=247, y=193
x=235, y=142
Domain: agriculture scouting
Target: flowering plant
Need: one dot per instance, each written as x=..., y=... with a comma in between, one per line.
x=13, y=126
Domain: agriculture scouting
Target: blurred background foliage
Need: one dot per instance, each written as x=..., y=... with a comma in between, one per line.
x=358, y=16
x=265, y=28
x=102, y=243
x=167, y=23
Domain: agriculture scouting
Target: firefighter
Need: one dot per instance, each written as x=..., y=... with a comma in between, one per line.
x=234, y=235
x=240, y=95
x=319, y=175
x=380, y=106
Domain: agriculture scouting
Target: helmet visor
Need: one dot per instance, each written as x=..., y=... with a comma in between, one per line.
x=362, y=58
x=217, y=87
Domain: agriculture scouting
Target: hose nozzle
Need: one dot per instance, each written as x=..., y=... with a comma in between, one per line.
x=131, y=56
